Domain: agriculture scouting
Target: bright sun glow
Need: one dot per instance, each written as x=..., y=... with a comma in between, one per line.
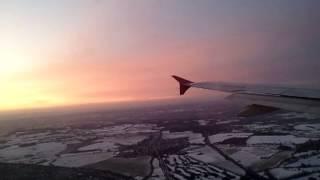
x=15, y=90
x=13, y=61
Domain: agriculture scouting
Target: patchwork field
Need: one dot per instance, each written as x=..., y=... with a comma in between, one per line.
x=193, y=141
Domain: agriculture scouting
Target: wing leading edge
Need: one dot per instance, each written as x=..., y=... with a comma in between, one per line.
x=267, y=98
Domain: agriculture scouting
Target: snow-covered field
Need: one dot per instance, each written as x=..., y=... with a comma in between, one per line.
x=82, y=159
x=184, y=167
x=126, y=129
x=313, y=160
x=261, y=127
x=194, y=138
x=228, y=121
x=203, y=122
x=285, y=139
x=224, y=136
x=157, y=172
x=111, y=143
x=272, y=143
x=205, y=154
x=38, y=153
x=93, y=145
x=307, y=127
x=295, y=115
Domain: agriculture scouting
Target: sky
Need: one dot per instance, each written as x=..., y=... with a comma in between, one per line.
x=55, y=52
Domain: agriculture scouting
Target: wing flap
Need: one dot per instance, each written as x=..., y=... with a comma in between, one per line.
x=292, y=104
x=254, y=110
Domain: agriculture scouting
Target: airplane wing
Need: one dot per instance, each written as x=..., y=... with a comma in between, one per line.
x=261, y=99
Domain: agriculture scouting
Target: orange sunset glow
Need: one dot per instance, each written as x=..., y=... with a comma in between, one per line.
x=76, y=52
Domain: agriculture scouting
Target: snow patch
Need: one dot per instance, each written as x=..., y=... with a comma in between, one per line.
x=205, y=154
x=295, y=115
x=203, y=122
x=307, y=127
x=82, y=159
x=228, y=121
x=194, y=138
x=32, y=154
x=224, y=136
x=286, y=139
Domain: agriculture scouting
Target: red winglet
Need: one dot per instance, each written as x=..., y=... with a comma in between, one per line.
x=184, y=84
